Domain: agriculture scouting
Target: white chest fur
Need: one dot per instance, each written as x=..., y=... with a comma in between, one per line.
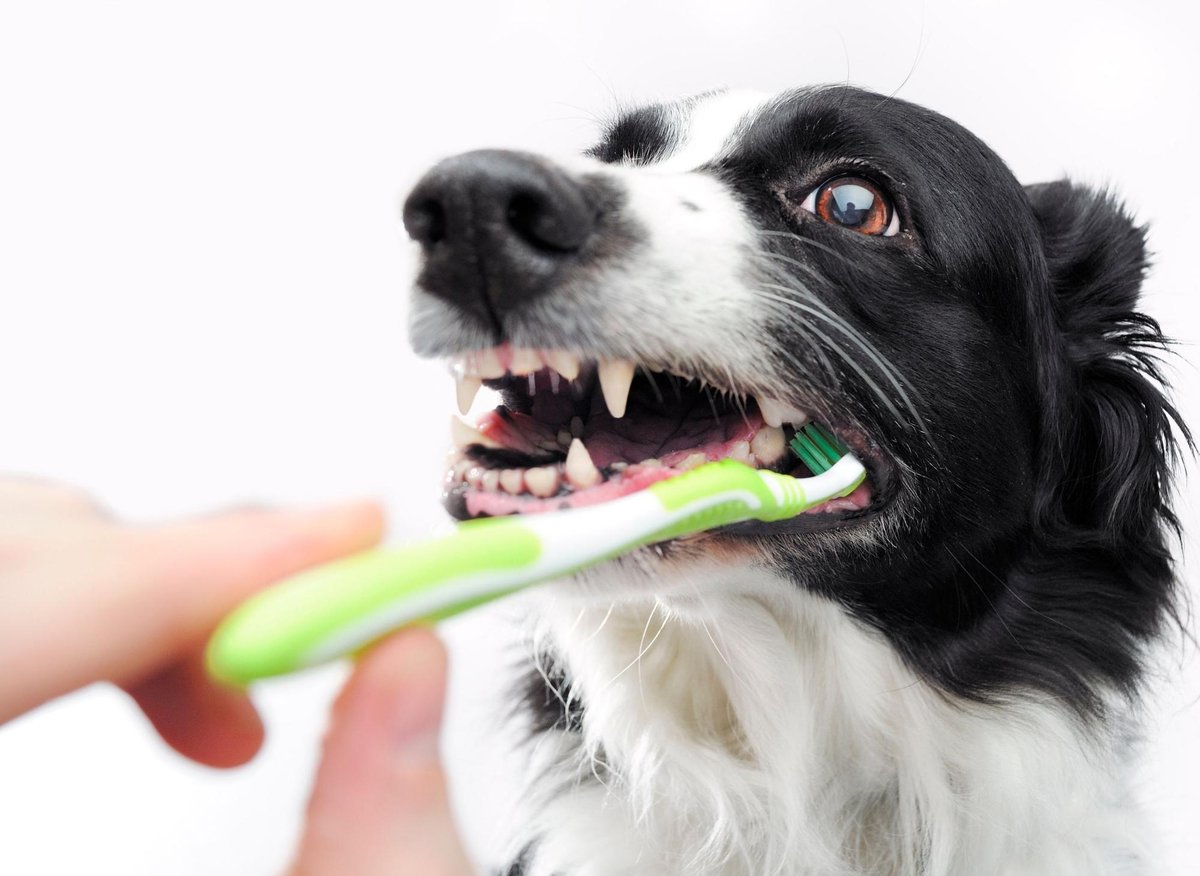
x=751, y=728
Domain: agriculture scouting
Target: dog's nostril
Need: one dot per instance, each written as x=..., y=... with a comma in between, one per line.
x=425, y=221
x=541, y=225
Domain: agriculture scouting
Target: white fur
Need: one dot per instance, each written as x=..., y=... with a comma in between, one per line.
x=735, y=724
x=696, y=262
x=711, y=127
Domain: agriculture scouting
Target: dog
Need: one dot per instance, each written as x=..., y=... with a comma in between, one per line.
x=939, y=674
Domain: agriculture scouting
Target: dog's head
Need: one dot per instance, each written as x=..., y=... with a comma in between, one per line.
x=718, y=271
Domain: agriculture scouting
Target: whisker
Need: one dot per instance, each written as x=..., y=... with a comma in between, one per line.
x=645, y=647
x=885, y=367
x=603, y=621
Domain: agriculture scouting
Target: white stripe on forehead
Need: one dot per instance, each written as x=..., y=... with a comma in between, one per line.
x=712, y=123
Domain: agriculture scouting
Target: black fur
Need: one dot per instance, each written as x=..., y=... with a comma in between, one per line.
x=1034, y=460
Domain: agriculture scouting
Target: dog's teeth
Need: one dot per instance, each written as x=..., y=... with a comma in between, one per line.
x=543, y=481
x=615, y=377
x=776, y=413
x=486, y=364
x=464, y=435
x=491, y=481
x=768, y=443
x=619, y=467
x=651, y=463
x=460, y=469
x=581, y=471
x=563, y=362
x=532, y=383
x=475, y=476
x=555, y=379
x=524, y=361
x=564, y=438
x=741, y=452
x=513, y=481
x=691, y=461
x=467, y=388
x=772, y=412
x=576, y=428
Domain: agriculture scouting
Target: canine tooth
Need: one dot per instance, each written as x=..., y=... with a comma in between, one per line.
x=491, y=480
x=564, y=437
x=524, y=361
x=464, y=435
x=513, y=481
x=467, y=388
x=576, y=427
x=615, y=377
x=474, y=476
x=563, y=362
x=486, y=364
x=581, y=471
x=691, y=461
x=768, y=444
x=772, y=412
x=741, y=452
x=460, y=470
x=543, y=481
x=776, y=413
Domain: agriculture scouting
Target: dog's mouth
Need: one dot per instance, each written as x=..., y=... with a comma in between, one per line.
x=572, y=432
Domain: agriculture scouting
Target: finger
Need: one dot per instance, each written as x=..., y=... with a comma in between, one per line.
x=192, y=574
x=207, y=722
x=125, y=602
x=380, y=804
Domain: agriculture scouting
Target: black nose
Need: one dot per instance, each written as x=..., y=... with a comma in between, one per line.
x=498, y=229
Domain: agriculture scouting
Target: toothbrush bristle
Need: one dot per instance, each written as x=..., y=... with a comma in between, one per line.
x=817, y=448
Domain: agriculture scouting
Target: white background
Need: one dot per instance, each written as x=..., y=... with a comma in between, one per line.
x=203, y=299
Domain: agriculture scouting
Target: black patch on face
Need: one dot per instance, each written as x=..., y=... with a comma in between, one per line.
x=643, y=136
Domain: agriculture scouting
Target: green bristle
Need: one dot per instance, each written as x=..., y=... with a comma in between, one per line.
x=817, y=448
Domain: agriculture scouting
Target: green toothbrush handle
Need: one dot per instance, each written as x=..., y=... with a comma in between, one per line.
x=336, y=609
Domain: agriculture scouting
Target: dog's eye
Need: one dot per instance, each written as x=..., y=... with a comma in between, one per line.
x=854, y=203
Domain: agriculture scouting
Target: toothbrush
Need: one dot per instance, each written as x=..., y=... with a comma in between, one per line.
x=341, y=607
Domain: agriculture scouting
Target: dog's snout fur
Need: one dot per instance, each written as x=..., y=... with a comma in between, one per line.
x=498, y=228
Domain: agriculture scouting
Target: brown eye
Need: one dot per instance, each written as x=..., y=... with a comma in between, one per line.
x=854, y=203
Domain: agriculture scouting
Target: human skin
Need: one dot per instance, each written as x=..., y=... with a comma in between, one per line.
x=85, y=598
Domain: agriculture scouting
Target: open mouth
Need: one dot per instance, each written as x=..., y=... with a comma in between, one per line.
x=571, y=433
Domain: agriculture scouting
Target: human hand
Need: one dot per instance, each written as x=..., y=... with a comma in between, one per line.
x=84, y=598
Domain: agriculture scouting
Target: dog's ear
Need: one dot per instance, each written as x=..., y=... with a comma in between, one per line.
x=1114, y=432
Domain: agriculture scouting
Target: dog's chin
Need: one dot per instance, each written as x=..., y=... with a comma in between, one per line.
x=571, y=433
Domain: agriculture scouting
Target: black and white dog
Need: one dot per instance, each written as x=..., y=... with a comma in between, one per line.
x=936, y=675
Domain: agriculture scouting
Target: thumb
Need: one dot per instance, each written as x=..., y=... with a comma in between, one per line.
x=380, y=804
